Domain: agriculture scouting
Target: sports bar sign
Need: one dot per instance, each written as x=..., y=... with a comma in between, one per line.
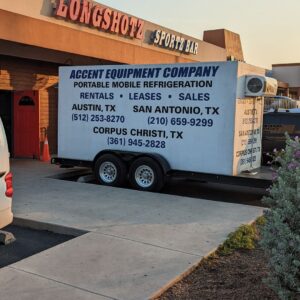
x=174, y=42
x=102, y=18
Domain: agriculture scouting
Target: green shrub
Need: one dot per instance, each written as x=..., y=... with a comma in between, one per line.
x=243, y=238
x=281, y=233
x=260, y=221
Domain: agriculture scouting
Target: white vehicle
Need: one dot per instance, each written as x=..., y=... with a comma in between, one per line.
x=143, y=123
x=6, y=188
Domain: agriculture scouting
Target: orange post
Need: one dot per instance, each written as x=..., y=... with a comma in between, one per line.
x=46, y=155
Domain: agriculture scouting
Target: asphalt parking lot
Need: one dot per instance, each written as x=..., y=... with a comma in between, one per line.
x=28, y=242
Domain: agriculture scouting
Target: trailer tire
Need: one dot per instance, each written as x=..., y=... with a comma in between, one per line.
x=110, y=170
x=146, y=174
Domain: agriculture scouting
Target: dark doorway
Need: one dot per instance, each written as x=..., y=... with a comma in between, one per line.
x=6, y=115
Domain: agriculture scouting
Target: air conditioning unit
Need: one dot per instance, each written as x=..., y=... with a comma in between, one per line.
x=260, y=86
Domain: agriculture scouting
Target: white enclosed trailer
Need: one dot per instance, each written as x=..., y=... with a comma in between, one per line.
x=146, y=122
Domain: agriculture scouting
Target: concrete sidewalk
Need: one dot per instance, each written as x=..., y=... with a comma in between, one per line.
x=137, y=242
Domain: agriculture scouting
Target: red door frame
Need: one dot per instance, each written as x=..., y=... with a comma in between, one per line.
x=26, y=126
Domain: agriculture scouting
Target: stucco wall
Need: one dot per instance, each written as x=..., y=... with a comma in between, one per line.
x=34, y=24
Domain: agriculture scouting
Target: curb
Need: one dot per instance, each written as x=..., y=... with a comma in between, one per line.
x=180, y=277
x=21, y=222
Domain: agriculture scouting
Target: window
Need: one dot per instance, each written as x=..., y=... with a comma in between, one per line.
x=26, y=101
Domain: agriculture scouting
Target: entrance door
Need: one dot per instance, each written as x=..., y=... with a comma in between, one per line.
x=26, y=124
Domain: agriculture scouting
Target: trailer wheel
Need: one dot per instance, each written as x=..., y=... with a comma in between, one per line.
x=145, y=174
x=110, y=170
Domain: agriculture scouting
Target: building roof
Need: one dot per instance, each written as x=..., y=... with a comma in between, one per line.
x=287, y=65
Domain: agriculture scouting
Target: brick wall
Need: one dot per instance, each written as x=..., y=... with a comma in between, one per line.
x=48, y=117
x=26, y=75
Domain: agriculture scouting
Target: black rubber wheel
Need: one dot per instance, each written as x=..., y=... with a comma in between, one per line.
x=110, y=170
x=145, y=174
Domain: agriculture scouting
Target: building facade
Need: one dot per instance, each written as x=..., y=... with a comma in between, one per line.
x=288, y=76
x=38, y=36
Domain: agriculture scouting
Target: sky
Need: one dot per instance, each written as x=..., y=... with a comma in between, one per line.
x=269, y=29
